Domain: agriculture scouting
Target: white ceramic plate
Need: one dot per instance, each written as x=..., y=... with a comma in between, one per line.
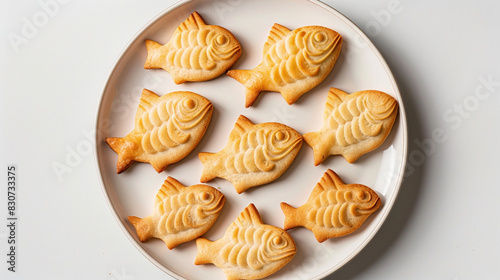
x=359, y=67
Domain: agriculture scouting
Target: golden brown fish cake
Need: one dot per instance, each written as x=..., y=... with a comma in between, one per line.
x=166, y=129
x=255, y=154
x=196, y=52
x=293, y=62
x=333, y=209
x=249, y=249
x=353, y=124
x=180, y=213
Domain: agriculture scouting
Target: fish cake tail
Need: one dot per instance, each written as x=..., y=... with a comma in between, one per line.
x=252, y=80
x=143, y=227
x=204, y=254
x=125, y=150
x=320, y=147
x=291, y=218
x=156, y=58
x=209, y=162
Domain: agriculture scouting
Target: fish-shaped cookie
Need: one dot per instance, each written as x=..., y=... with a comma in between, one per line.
x=353, y=124
x=180, y=213
x=255, y=154
x=196, y=52
x=333, y=209
x=293, y=62
x=249, y=248
x=166, y=129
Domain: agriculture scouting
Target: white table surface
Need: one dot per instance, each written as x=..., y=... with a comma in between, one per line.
x=444, y=54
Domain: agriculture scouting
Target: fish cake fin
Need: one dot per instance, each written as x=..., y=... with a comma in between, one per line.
x=126, y=152
x=170, y=187
x=250, y=96
x=321, y=149
x=204, y=254
x=148, y=99
x=334, y=99
x=291, y=216
x=194, y=21
x=250, y=216
x=143, y=227
x=156, y=55
x=253, y=82
x=159, y=165
x=277, y=33
x=320, y=236
x=209, y=162
x=239, y=186
x=242, y=125
x=330, y=181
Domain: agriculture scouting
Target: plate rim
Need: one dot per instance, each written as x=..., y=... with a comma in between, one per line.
x=401, y=115
x=111, y=206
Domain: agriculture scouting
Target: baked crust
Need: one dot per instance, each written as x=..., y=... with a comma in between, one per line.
x=255, y=154
x=250, y=249
x=333, y=209
x=293, y=62
x=166, y=129
x=353, y=124
x=196, y=52
x=180, y=213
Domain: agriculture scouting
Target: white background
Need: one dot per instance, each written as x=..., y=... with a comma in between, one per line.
x=444, y=56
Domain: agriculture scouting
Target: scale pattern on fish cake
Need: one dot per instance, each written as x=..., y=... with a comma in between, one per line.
x=196, y=51
x=166, y=129
x=293, y=62
x=354, y=124
x=180, y=214
x=333, y=209
x=249, y=248
x=255, y=154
